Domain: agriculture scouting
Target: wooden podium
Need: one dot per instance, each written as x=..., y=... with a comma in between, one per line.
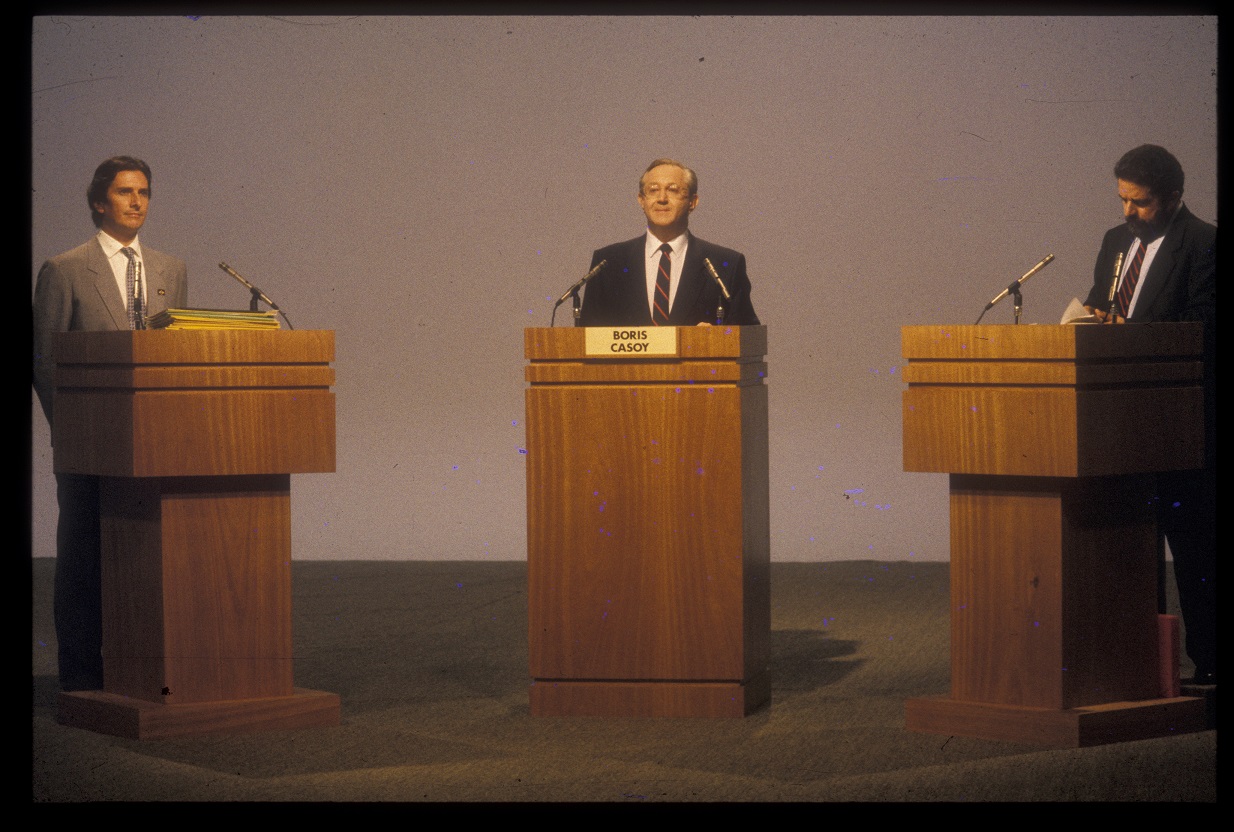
x=648, y=538
x=1052, y=435
x=195, y=436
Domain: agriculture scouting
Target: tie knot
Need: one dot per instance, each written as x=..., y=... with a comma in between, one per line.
x=128, y=252
x=666, y=249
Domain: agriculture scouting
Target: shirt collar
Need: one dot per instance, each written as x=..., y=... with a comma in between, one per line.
x=653, y=243
x=111, y=246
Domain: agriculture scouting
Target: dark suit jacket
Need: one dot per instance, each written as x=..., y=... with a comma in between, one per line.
x=77, y=291
x=1181, y=284
x=617, y=296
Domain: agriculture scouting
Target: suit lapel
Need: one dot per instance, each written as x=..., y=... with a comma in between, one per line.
x=637, y=263
x=691, y=285
x=105, y=284
x=156, y=282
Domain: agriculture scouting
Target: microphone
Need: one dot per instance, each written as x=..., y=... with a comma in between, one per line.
x=257, y=294
x=580, y=284
x=716, y=277
x=138, y=311
x=1118, y=272
x=1047, y=260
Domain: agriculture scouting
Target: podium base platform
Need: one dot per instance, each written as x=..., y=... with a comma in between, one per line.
x=1071, y=728
x=123, y=716
x=556, y=697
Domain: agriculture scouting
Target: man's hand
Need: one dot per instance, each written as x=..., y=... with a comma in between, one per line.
x=1105, y=317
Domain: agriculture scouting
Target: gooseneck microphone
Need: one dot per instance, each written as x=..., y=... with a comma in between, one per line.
x=257, y=294
x=1014, y=288
x=716, y=277
x=724, y=295
x=572, y=292
x=1016, y=284
x=581, y=283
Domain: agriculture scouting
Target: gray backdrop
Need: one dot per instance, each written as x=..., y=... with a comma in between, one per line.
x=426, y=187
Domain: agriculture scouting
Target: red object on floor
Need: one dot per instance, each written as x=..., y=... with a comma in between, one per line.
x=1167, y=637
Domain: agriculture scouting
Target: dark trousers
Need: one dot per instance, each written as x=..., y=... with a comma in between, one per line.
x=1187, y=516
x=78, y=592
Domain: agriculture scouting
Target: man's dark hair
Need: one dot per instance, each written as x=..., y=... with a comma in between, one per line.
x=1153, y=167
x=105, y=174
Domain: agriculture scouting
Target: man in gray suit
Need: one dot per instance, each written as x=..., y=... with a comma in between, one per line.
x=108, y=283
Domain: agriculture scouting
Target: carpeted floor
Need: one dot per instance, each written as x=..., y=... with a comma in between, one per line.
x=430, y=659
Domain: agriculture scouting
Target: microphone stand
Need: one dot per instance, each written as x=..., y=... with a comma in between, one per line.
x=258, y=295
x=572, y=293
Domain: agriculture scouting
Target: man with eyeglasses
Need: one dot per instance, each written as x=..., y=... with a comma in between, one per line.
x=664, y=277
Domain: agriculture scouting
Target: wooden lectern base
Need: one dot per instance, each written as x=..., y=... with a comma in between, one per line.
x=641, y=699
x=1070, y=728
x=123, y=716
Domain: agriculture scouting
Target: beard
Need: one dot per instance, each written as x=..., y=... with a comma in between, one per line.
x=1143, y=230
x=1149, y=231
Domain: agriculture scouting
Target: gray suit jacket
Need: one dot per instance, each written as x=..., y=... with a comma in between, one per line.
x=77, y=291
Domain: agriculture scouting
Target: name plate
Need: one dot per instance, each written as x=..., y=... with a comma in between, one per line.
x=623, y=342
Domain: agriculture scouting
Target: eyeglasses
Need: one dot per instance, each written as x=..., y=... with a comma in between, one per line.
x=672, y=191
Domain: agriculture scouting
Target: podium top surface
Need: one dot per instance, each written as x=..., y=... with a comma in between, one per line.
x=1076, y=342
x=226, y=346
x=693, y=342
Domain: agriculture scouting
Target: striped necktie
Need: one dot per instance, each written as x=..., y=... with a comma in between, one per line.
x=1126, y=291
x=660, y=306
x=130, y=284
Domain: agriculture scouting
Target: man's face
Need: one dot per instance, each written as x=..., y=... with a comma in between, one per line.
x=124, y=209
x=666, y=200
x=1146, y=213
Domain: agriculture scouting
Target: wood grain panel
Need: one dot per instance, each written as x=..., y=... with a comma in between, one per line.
x=1051, y=431
x=1006, y=594
x=184, y=347
x=648, y=370
x=1065, y=373
x=181, y=376
x=645, y=579
x=1053, y=591
x=195, y=433
x=648, y=529
x=982, y=430
x=197, y=588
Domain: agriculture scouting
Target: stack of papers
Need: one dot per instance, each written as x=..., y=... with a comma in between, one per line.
x=212, y=319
